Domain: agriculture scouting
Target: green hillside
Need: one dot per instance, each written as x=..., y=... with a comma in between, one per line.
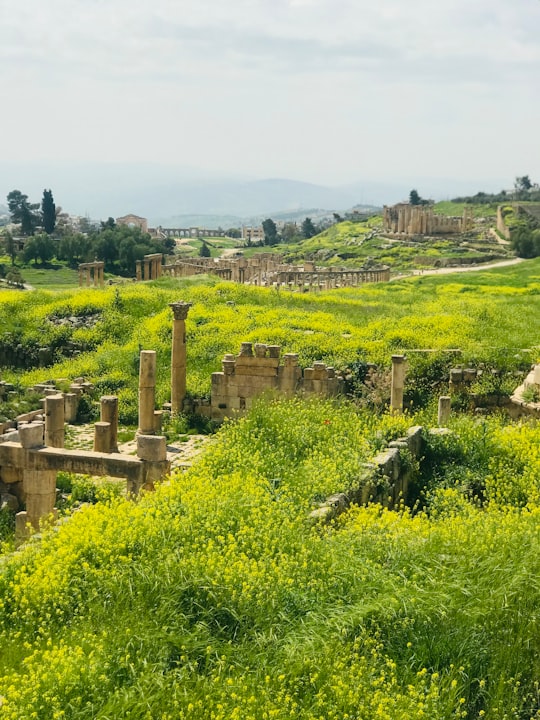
x=217, y=597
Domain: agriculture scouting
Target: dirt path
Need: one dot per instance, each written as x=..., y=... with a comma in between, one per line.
x=462, y=269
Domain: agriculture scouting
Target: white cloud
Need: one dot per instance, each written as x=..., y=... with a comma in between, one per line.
x=302, y=86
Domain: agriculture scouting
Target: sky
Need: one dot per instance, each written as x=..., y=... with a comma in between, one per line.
x=324, y=91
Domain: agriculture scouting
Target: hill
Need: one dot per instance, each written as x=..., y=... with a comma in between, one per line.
x=217, y=596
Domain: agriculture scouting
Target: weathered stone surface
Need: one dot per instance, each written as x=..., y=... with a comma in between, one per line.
x=152, y=447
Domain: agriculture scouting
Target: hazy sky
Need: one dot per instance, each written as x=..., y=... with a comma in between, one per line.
x=327, y=91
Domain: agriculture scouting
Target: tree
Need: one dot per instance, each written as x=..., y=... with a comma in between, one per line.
x=9, y=246
x=308, y=229
x=414, y=198
x=523, y=184
x=23, y=212
x=48, y=212
x=270, y=232
x=289, y=232
x=40, y=247
x=108, y=224
x=204, y=250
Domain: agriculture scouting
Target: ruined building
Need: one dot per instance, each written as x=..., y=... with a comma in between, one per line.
x=405, y=219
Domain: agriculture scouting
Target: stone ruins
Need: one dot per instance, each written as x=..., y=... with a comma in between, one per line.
x=133, y=221
x=32, y=450
x=269, y=270
x=91, y=273
x=150, y=267
x=33, y=453
x=257, y=369
x=404, y=219
x=527, y=396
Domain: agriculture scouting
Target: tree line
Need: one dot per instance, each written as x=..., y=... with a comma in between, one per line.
x=290, y=232
x=118, y=246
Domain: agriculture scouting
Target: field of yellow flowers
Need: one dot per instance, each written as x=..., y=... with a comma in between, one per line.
x=484, y=314
x=216, y=597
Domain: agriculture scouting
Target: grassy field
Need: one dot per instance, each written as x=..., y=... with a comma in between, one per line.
x=489, y=316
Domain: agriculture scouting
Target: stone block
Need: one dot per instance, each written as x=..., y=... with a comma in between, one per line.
x=415, y=440
x=256, y=362
x=256, y=371
x=39, y=506
x=456, y=376
x=308, y=374
x=319, y=371
x=274, y=351
x=152, y=447
x=388, y=463
x=469, y=375
x=39, y=482
x=32, y=435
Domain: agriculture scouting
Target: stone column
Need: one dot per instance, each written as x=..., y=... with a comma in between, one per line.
x=147, y=392
x=54, y=420
x=102, y=437
x=444, y=410
x=178, y=355
x=138, y=270
x=398, y=382
x=87, y=276
x=71, y=405
x=80, y=277
x=109, y=414
x=39, y=486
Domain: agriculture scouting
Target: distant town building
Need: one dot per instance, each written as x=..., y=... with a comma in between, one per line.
x=252, y=234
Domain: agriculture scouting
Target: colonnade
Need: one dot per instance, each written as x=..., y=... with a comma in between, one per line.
x=93, y=272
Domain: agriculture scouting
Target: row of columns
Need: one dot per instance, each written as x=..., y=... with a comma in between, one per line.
x=94, y=272
x=149, y=268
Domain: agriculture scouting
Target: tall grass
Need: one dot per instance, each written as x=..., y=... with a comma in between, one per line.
x=215, y=597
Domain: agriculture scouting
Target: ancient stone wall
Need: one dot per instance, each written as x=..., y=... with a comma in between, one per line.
x=258, y=369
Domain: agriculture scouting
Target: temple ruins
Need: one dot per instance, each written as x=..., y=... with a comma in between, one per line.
x=91, y=273
x=407, y=220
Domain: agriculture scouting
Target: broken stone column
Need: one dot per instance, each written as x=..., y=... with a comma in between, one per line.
x=178, y=355
x=39, y=486
x=54, y=420
x=398, y=382
x=109, y=414
x=102, y=437
x=444, y=410
x=151, y=449
x=71, y=405
x=147, y=392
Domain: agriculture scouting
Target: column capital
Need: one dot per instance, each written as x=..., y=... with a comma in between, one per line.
x=180, y=309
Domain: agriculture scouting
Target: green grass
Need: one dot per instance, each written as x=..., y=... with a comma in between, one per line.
x=482, y=313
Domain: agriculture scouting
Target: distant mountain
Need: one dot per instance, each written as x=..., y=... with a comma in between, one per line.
x=165, y=193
